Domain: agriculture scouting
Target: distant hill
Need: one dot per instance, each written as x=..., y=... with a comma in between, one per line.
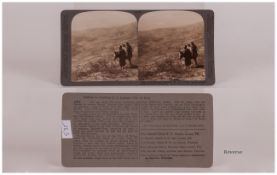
x=93, y=58
x=100, y=42
x=93, y=53
x=159, y=53
x=167, y=41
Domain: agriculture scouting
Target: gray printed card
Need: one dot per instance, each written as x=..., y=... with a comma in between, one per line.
x=137, y=130
x=137, y=47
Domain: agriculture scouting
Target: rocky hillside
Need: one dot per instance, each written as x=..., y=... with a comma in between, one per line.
x=94, y=48
x=159, y=53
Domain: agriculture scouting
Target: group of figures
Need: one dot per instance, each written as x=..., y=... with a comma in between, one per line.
x=125, y=52
x=189, y=52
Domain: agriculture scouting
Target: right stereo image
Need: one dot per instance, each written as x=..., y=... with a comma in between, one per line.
x=171, y=49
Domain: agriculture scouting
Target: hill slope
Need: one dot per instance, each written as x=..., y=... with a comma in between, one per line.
x=92, y=53
x=160, y=48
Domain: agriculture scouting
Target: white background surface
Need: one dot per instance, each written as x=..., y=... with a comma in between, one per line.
x=243, y=93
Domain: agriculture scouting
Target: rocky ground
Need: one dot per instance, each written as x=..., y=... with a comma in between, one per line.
x=171, y=69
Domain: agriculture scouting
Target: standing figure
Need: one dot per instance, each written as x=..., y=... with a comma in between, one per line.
x=129, y=53
x=187, y=55
x=121, y=54
x=194, y=51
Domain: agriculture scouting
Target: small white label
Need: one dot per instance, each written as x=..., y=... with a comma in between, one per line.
x=66, y=129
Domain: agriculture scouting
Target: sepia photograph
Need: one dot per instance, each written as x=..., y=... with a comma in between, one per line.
x=171, y=46
x=104, y=46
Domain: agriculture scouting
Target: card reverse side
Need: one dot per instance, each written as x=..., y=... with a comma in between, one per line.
x=137, y=130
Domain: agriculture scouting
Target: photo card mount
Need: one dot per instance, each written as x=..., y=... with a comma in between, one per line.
x=95, y=52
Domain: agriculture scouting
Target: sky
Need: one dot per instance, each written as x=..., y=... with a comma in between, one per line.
x=101, y=19
x=148, y=21
x=165, y=19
